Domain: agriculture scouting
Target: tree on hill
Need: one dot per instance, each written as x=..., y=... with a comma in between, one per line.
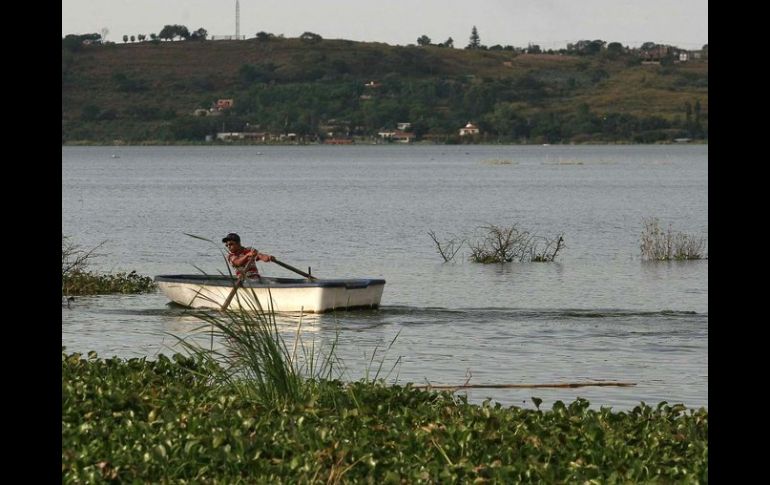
x=423, y=40
x=310, y=37
x=534, y=49
x=170, y=32
x=263, y=36
x=73, y=42
x=586, y=47
x=475, y=41
x=199, y=34
x=615, y=48
x=448, y=43
x=125, y=38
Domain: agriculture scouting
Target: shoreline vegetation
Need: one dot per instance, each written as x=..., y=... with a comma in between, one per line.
x=363, y=142
x=77, y=279
x=258, y=411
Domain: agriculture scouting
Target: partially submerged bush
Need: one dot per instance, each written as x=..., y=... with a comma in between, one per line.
x=448, y=249
x=88, y=283
x=500, y=244
x=74, y=258
x=659, y=245
x=506, y=244
x=77, y=280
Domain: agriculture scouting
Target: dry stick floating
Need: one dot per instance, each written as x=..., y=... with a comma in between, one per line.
x=527, y=386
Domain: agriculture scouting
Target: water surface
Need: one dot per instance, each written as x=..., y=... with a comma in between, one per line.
x=598, y=313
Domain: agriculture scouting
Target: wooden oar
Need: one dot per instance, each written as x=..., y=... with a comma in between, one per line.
x=292, y=268
x=237, y=285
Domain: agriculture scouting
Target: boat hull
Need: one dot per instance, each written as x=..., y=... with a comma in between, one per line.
x=278, y=294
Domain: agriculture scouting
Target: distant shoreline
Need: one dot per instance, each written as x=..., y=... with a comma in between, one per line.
x=80, y=143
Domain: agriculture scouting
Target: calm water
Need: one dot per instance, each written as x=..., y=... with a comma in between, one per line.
x=598, y=313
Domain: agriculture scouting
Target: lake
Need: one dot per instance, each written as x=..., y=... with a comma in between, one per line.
x=599, y=312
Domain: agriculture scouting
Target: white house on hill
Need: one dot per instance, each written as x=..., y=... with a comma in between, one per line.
x=469, y=129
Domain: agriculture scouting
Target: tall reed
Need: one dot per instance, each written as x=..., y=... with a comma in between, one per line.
x=255, y=359
x=659, y=245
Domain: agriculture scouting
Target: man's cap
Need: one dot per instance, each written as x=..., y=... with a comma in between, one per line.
x=232, y=237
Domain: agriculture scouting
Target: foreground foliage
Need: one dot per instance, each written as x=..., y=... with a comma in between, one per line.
x=157, y=421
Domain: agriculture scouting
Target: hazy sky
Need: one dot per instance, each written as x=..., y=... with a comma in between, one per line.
x=549, y=23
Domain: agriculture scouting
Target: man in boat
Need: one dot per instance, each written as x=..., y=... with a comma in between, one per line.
x=243, y=260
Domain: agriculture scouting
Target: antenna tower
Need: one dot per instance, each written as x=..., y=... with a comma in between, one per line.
x=237, y=20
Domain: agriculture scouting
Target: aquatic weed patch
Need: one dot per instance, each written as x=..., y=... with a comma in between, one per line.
x=88, y=283
x=164, y=420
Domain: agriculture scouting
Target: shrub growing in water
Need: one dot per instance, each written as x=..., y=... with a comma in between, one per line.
x=659, y=245
x=77, y=280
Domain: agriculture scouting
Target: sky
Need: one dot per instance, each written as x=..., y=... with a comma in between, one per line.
x=551, y=24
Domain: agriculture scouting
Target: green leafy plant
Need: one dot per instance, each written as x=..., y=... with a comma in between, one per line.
x=76, y=279
x=168, y=420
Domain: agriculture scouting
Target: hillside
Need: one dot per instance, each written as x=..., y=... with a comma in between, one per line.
x=148, y=92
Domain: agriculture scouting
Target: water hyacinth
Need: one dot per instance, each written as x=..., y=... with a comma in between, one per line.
x=89, y=283
x=167, y=420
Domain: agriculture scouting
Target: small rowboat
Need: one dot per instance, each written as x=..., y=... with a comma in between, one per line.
x=286, y=294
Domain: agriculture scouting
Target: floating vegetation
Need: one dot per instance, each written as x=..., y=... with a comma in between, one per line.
x=89, y=283
x=76, y=279
x=165, y=421
x=572, y=161
x=496, y=161
x=563, y=161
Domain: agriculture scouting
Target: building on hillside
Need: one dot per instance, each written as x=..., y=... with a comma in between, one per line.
x=469, y=130
x=227, y=37
x=403, y=126
x=244, y=135
x=223, y=104
x=398, y=136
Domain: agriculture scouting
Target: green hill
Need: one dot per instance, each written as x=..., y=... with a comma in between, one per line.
x=148, y=92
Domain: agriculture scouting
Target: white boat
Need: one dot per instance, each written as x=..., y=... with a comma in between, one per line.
x=286, y=294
